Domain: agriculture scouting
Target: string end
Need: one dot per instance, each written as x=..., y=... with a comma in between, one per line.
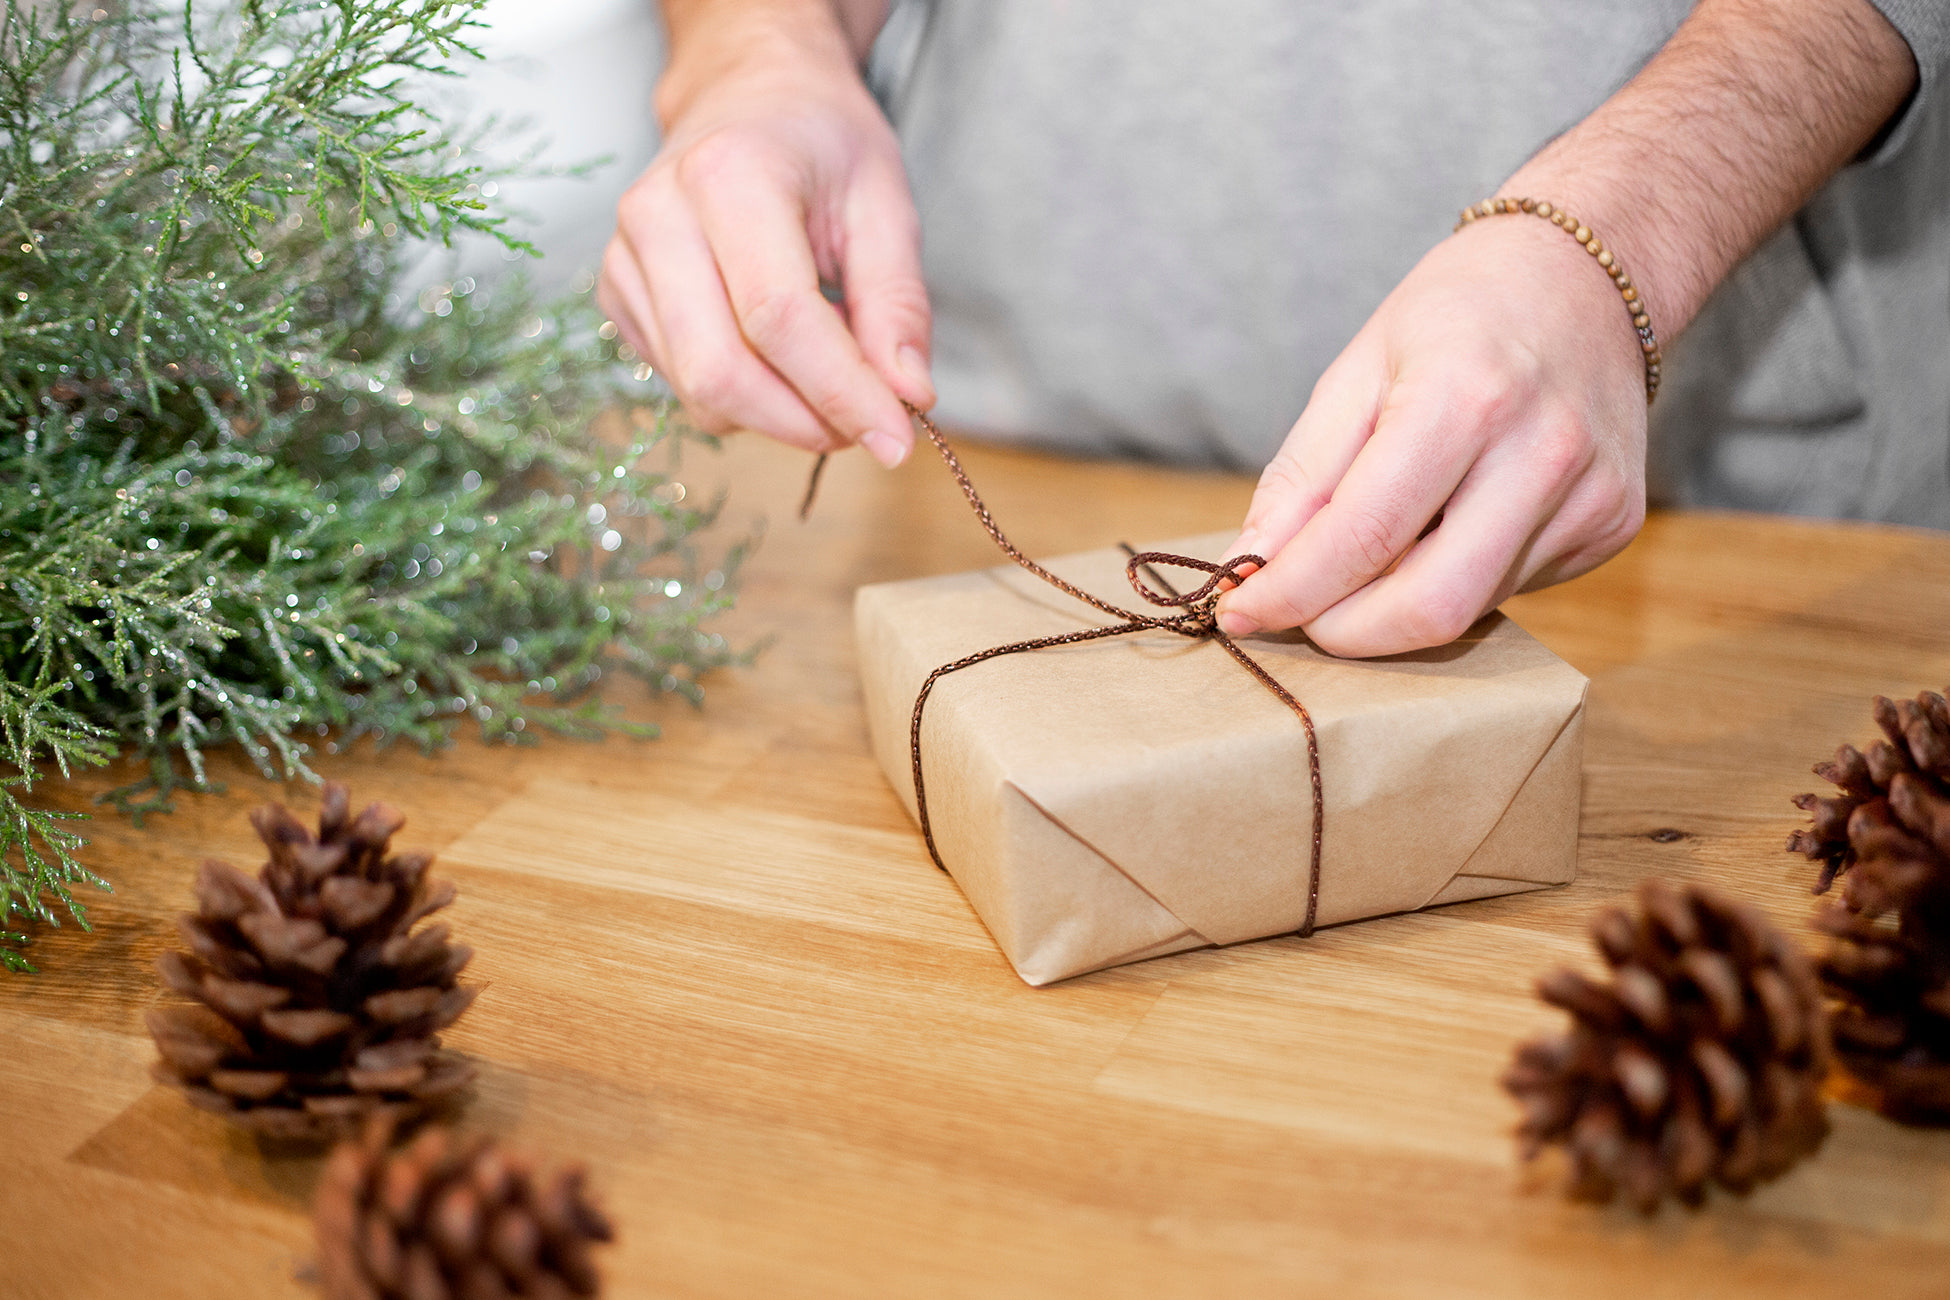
x=812, y=488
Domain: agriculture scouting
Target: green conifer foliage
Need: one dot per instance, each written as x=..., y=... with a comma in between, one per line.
x=258, y=488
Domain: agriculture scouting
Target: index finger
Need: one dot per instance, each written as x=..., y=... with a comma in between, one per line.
x=1398, y=482
x=757, y=232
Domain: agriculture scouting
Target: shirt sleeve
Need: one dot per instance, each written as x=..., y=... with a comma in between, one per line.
x=1925, y=24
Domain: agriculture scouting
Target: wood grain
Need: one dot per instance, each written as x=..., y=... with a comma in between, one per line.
x=721, y=970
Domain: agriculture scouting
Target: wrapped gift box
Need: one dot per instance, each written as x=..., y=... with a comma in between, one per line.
x=1120, y=799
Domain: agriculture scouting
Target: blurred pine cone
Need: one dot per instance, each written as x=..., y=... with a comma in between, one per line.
x=1918, y=743
x=317, y=1002
x=1702, y=1060
x=1889, y=966
x=451, y=1217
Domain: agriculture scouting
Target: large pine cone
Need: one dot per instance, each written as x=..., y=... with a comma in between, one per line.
x=1889, y=966
x=318, y=1001
x=448, y=1217
x=1702, y=1060
x=1918, y=743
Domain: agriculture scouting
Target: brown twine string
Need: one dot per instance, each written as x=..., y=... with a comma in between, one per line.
x=812, y=488
x=1196, y=618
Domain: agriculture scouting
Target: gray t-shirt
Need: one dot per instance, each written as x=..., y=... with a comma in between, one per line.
x=1149, y=226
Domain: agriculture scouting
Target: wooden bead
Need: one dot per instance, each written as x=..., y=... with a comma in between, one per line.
x=1582, y=233
x=1606, y=260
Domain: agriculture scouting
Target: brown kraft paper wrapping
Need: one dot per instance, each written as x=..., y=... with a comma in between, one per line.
x=1125, y=798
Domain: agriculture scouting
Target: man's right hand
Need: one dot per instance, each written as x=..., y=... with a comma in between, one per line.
x=778, y=173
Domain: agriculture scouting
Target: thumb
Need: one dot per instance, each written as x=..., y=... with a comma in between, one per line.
x=886, y=299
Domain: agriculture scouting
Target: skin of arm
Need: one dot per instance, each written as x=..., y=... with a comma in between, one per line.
x=1499, y=392
x=778, y=174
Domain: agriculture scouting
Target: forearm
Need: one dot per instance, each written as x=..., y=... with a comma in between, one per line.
x=709, y=37
x=1749, y=108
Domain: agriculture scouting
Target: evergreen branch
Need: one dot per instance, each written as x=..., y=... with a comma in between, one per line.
x=255, y=489
x=30, y=875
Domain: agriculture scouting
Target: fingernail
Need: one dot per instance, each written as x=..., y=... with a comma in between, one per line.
x=1248, y=544
x=915, y=367
x=1233, y=623
x=883, y=447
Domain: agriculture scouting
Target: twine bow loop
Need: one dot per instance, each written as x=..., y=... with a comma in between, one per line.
x=1200, y=618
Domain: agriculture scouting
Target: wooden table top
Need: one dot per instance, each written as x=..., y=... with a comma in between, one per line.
x=721, y=971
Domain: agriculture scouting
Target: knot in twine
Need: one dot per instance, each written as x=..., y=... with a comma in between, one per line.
x=1200, y=618
x=1196, y=618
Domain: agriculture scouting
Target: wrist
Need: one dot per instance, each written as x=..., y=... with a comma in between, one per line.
x=1575, y=239
x=1651, y=242
x=771, y=42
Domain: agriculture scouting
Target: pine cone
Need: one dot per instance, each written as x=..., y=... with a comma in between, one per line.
x=1918, y=743
x=318, y=1002
x=1889, y=966
x=450, y=1217
x=1702, y=1060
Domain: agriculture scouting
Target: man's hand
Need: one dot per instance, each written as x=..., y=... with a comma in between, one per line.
x=1499, y=387
x=778, y=174
x=1498, y=394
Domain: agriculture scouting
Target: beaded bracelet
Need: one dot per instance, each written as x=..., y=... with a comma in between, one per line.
x=1641, y=320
